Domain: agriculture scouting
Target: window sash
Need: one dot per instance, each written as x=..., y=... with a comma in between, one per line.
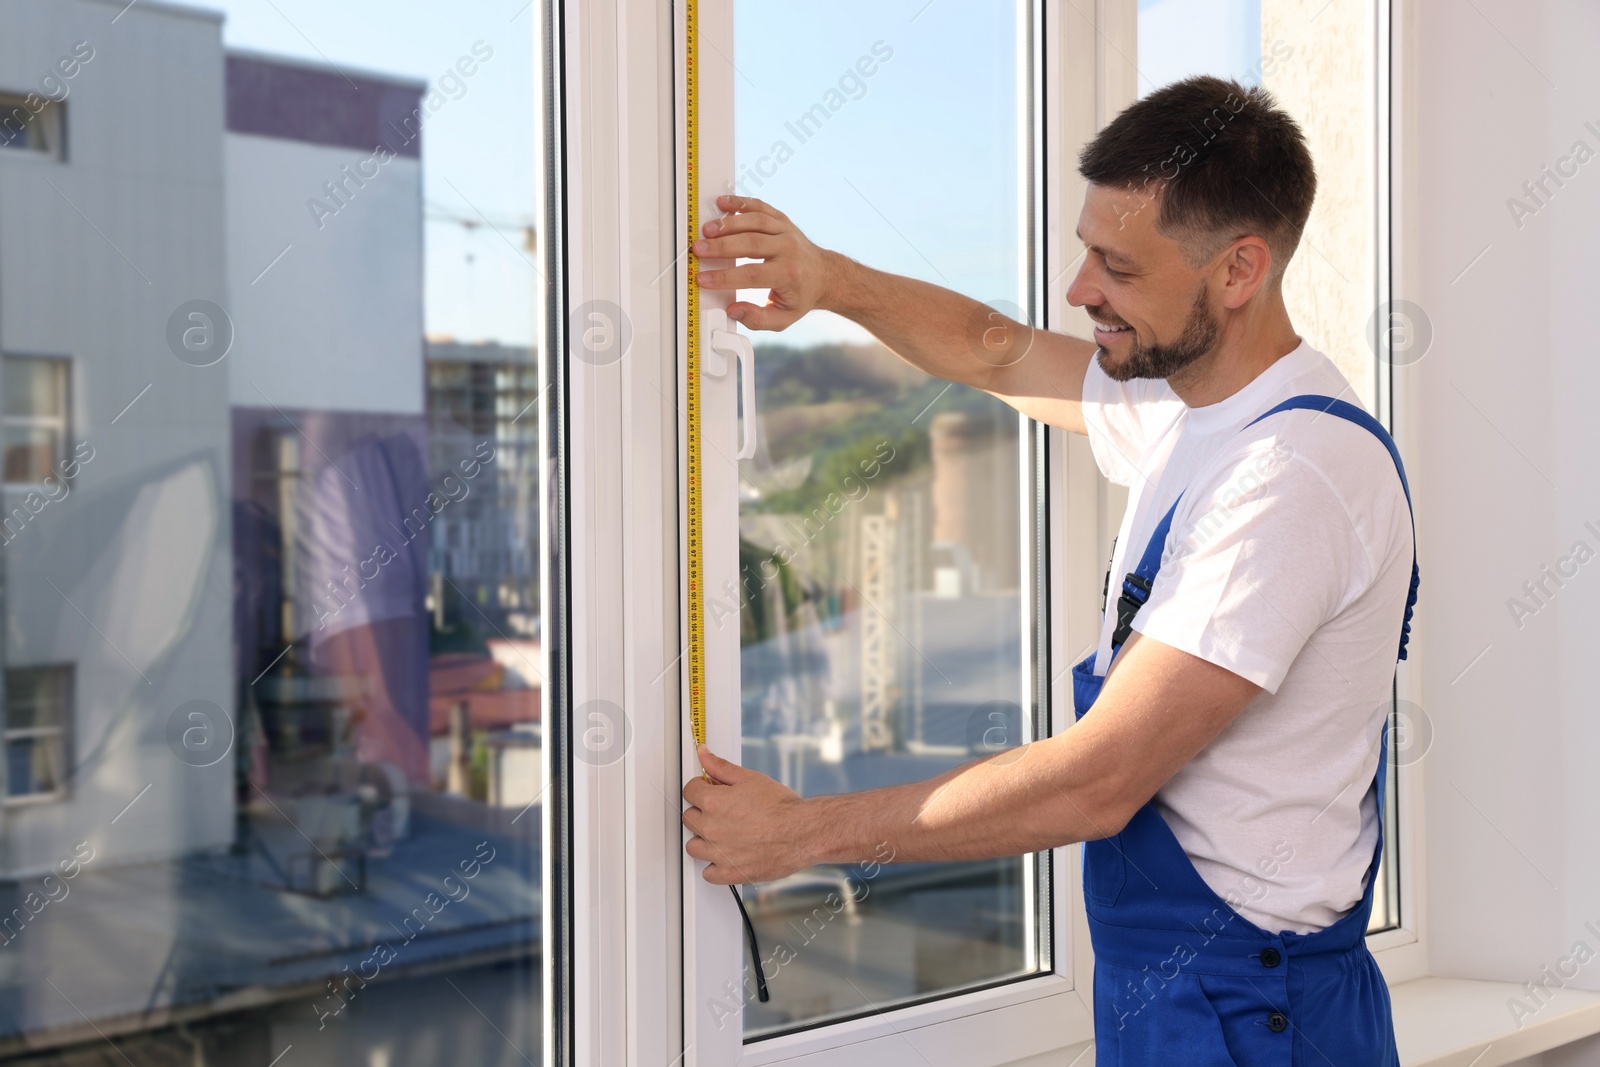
x=56, y=422
x=1015, y=995
x=32, y=731
x=23, y=131
x=54, y=755
x=618, y=881
x=48, y=731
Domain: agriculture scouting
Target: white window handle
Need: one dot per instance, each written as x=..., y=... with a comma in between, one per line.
x=725, y=341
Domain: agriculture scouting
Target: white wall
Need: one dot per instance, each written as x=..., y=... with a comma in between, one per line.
x=1501, y=439
x=295, y=347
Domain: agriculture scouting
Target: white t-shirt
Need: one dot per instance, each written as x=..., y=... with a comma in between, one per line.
x=1288, y=563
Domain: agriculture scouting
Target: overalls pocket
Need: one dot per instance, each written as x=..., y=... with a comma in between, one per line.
x=1155, y=1022
x=1105, y=870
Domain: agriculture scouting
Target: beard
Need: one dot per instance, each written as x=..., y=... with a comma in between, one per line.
x=1162, y=361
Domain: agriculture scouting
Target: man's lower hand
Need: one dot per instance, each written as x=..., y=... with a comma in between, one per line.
x=747, y=827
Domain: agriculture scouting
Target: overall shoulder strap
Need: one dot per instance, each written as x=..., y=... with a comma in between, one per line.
x=1351, y=413
x=1136, y=586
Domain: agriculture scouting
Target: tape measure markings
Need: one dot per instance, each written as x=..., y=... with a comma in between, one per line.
x=695, y=538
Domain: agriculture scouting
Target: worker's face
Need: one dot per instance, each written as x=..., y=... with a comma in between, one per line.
x=1153, y=312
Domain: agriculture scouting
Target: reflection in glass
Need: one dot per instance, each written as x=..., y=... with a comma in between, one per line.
x=882, y=587
x=35, y=392
x=31, y=123
x=271, y=688
x=37, y=711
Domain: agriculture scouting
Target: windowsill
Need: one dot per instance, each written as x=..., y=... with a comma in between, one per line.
x=1446, y=1022
x=33, y=155
x=28, y=800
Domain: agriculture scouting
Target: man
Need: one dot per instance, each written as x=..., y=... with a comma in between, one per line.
x=1225, y=770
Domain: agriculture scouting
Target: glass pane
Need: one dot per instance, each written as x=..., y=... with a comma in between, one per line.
x=29, y=124
x=35, y=387
x=31, y=454
x=293, y=578
x=1181, y=38
x=36, y=697
x=1322, y=69
x=32, y=765
x=881, y=520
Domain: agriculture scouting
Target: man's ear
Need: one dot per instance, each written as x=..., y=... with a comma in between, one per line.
x=1245, y=268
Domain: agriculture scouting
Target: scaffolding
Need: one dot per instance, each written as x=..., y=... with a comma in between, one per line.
x=877, y=666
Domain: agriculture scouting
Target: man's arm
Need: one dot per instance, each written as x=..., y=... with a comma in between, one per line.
x=1158, y=709
x=937, y=330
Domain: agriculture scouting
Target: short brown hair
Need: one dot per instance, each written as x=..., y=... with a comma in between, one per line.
x=1225, y=161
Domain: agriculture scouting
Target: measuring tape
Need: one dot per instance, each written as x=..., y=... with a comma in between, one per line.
x=696, y=546
x=694, y=538
x=725, y=343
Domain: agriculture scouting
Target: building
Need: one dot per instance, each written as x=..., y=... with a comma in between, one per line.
x=126, y=482
x=227, y=516
x=482, y=400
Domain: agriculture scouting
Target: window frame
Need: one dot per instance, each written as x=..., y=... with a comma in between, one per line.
x=63, y=367
x=617, y=837
x=629, y=946
x=1401, y=950
x=612, y=836
x=62, y=732
x=1046, y=1012
x=52, y=120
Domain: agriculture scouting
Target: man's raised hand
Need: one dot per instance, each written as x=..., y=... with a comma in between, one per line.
x=798, y=274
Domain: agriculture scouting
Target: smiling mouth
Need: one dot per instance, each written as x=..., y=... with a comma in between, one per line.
x=1103, y=328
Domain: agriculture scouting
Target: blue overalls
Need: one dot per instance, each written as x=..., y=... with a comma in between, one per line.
x=1182, y=979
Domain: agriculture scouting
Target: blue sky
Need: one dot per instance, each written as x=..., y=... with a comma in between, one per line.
x=919, y=175
x=915, y=171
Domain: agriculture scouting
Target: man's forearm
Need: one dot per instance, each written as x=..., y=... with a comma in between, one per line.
x=1007, y=804
x=937, y=330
